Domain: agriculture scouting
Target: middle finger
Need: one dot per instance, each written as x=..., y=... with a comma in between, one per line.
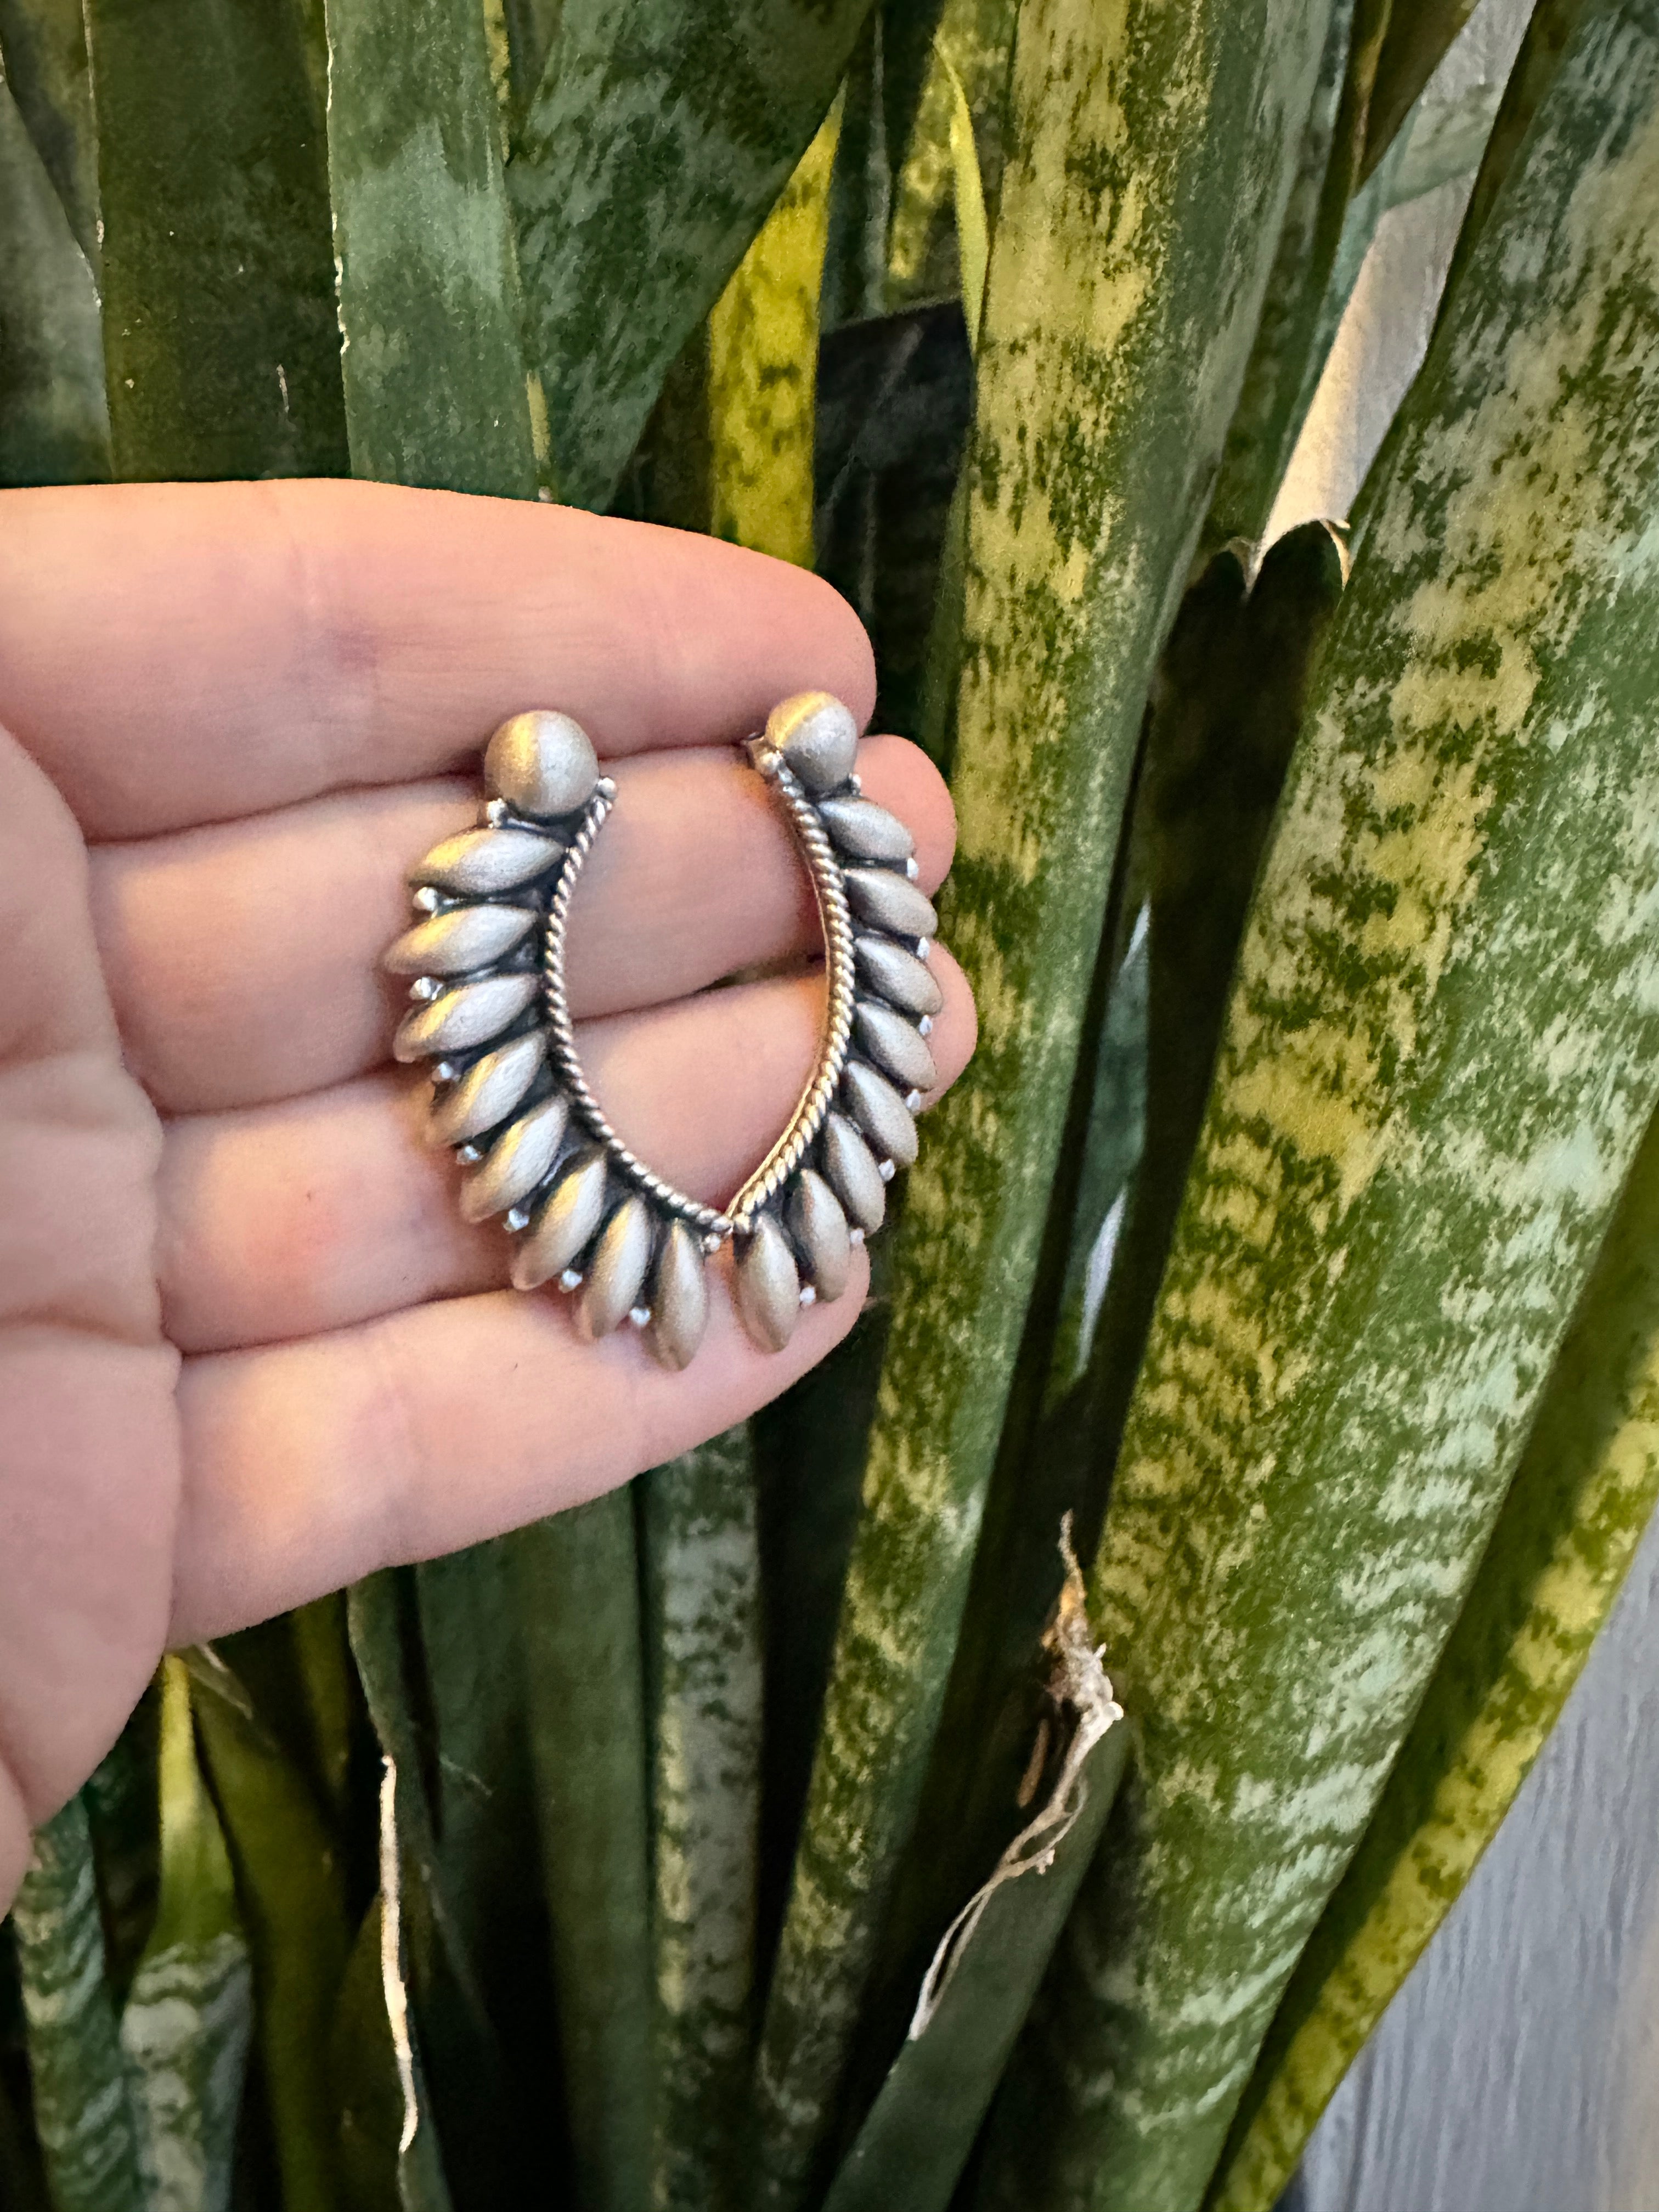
x=244, y=959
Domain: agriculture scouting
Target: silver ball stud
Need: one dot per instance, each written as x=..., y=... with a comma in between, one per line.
x=543, y=764
x=817, y=738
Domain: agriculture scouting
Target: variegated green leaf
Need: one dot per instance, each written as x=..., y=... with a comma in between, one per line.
x=1582, y=1496
x=1418, y=33
x=222, y=350
x=1292, y=340
x=1227, y=703
x=763, y=360
x=83, y=2113
x=913, y=2147
x=702, y=1580
x=43, y=46
x=429, y=306
x=659, y=137
x=1440, y=1057
x=431, y=1965
x=290, y=1887
x=187, y=2020
x=971, y=52
x=577, y=1582
x=54, y=425
x=1132, y=249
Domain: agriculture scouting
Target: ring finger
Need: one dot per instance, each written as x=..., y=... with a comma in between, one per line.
x=285, y=1220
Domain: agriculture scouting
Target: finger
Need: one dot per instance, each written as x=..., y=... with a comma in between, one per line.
x=174, y=653
x=293, y=1220
x=244, y=959
x=307, y=1466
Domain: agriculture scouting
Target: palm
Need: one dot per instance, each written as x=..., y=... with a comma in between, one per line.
x=248, y=1351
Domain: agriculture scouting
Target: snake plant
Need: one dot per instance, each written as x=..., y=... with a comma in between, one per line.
x=1272, y=1320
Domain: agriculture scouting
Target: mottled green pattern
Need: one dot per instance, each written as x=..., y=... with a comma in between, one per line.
x=762, y=365
x=83, y=2115
x=185, y=2025
x=1582, y=1496
x=430, y=311
x=54, y=426
x=220, y=346
x=578, y=1612
x=1131, y=250
x=701, y=1575
x=659, y=137
x=1440, y=1056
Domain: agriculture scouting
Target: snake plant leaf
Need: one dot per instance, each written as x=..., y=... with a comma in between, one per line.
x=1582, y=1496
x=1419, y=33
x=700, y=1561
x=1227, y=703
x=1438, y=1063
x=83, y=2114
x=914, y=2145
x=808, y=1448
x=659, y=137
x=221, y=351
x=763, y=354
x=1230, y=696
x=290, y=1887
x=43, y=47
x=971, y=50
x=1120, y=308
x=54, y=425
x=364, y=2066
x=462, y=2137
x=529, y=27
x=1549, y=28
x=861, y=194
x=123, y=1803
x=1291, y=339
x=429, y=306
x=577, y=1585
x=187, y=2020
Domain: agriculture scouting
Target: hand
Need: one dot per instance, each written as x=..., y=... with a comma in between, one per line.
x=248, y=1350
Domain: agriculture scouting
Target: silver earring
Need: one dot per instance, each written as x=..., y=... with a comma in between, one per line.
x=492, y=1012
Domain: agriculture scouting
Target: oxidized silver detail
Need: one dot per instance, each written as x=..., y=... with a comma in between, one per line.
x=487, y=954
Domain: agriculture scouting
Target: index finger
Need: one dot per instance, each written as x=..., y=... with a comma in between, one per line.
x=178, y=653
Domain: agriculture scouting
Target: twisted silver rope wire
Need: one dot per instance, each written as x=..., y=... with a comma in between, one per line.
x=836, y=921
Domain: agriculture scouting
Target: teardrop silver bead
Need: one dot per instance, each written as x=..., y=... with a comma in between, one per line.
x=488, y=1092
x=769, y=1285
x=561, y=1231
x=616, y=1272
x=469, y=1015
x=478, y=863
x=894, y=1046
x=517, y=1160
x=850, y=1168
x=463, y=937
x=869, y=832
x=819, y=1228
x=891, y=902
x=817, y=738
x=880, y=1112
x=899, y=977
x=679, y=1298
x=542, y=763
